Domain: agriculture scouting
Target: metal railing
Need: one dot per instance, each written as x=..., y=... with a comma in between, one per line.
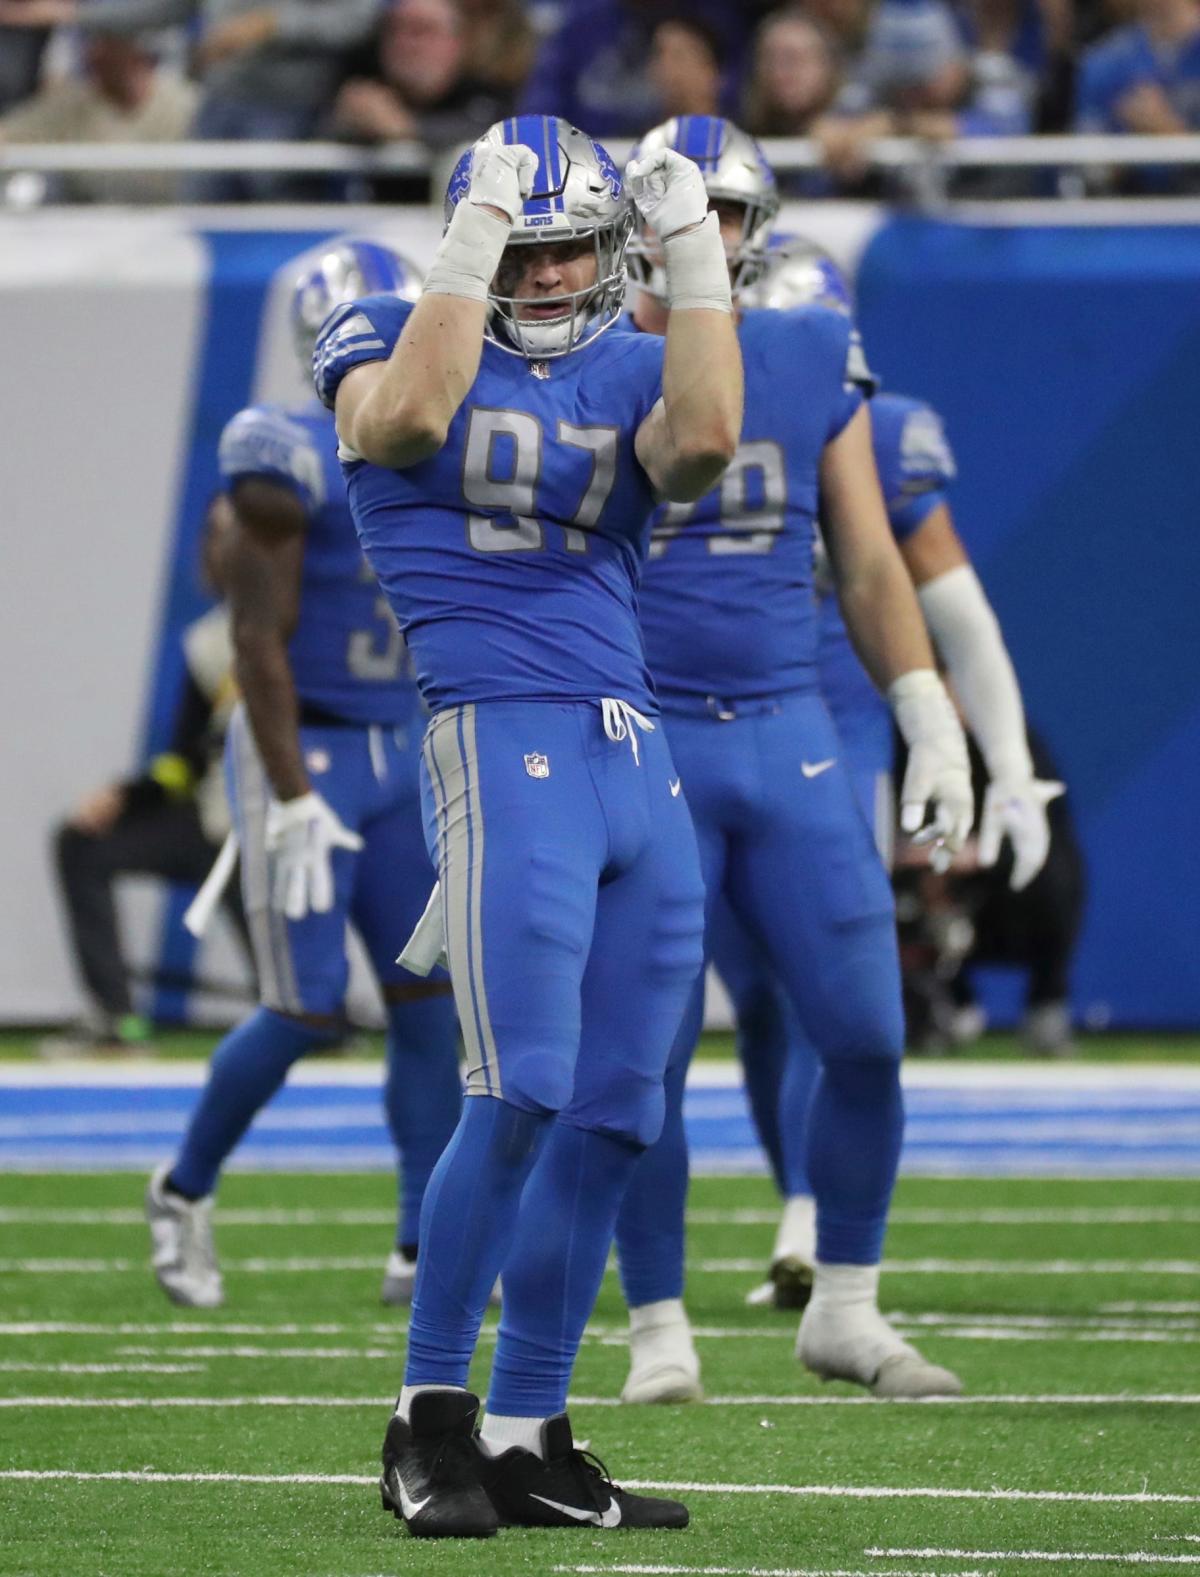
x=925, y=163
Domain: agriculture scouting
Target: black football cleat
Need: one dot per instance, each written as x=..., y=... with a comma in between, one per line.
x=567, y=1488
x=431, y=1469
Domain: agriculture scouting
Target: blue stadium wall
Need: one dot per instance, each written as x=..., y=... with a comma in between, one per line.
x=1066, y=361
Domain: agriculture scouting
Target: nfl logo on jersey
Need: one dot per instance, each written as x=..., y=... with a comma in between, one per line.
x=537, y=765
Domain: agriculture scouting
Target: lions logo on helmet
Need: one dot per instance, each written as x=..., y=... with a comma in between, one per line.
x=735, y=171
x=576, y=198
x=345, y=269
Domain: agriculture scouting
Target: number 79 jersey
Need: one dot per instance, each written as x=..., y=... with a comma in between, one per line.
x=347, y=655
x=511, y=557
x=727, y=602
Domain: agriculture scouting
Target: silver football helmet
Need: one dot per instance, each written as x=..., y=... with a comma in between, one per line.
x=577, y=198
x=799, y=273
x=340, y=270
x=735, y=170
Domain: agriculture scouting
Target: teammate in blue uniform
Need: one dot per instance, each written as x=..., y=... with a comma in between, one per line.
x=915, y=468
x=730, y=618
x=503, y=452
x=322, y=765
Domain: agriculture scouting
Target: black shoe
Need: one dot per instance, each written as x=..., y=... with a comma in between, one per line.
x=792, y=1280
x=431, y=1469
x=567, y=1488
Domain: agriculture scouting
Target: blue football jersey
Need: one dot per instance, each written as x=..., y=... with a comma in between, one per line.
x=347, y=654
x=511, y=557
x=727, y=602
x=915, y=467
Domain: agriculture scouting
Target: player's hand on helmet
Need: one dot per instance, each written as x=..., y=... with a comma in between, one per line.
x=669, y=191
x=1016, y=809
x=502, y=176
x=938, y=775
x=301, y=835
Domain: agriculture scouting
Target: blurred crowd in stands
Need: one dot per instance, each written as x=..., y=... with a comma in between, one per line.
x=374, y=72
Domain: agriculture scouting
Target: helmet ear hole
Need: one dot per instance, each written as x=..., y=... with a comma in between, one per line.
x=342, y=270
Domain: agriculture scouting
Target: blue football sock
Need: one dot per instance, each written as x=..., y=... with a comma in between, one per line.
x=246, y=1069
x=554, y=1271
x=467, y=1224
x=856, y=1126
x=650, y=1226
x=763, y=1017
x=422, y=1095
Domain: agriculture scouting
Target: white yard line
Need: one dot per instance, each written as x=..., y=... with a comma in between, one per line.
x=1166, y=1215
x=809, y=1491
x=1062, y=1399
x=907, y=1267
x=1116, y=1558
x=762, y=1571
x=8, y=1367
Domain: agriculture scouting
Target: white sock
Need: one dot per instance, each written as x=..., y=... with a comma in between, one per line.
x=404, y=1401
x=500, y=1433
x=653, y=1316
x=797, y=1234
x=845, y=1287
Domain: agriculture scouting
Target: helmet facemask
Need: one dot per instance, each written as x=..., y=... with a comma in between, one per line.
x=584, y=313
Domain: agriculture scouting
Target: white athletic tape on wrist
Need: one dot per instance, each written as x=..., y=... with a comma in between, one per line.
x=469, y=254
x=921, y=705
x=697, y=268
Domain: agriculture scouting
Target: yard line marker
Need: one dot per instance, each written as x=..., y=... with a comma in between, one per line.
x=993, y=1267
x=1128, y=1558
x=184, y=1328
x=12, y=1367
x=1066, y=1399
x=117, y=1216
x=759, y=1571
x=1185, y=1307
x=811, y=1491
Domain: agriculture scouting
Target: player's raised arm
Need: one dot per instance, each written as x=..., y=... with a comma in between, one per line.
x=397, y=412
x=884, y=620
x=692, y=434
x=967, y=634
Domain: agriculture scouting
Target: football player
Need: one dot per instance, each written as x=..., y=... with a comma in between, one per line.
x=322, y=769
x=915, y=469
x=730, y=619
x=503, y=450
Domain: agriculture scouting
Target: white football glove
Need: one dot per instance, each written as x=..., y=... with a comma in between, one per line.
x=1016, y=810
x=939, y=770
x=668, y=190
x=301, y=835
x=502, y=176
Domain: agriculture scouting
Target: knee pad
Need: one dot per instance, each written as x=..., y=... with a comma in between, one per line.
x=632, y=1110
x=537, y=1080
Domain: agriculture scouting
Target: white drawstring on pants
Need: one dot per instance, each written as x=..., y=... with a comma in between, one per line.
x=621, y=721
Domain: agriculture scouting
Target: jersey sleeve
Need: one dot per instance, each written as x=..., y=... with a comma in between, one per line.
x=267, y=443
x=353, y=335
x=915, y=464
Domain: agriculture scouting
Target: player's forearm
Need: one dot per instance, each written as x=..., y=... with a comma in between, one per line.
x=702, y=400
x=405, y=416
x=264, y=676
x=883, y=617
x=967, y=634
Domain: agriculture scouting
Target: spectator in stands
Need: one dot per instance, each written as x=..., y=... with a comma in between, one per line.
x=22, y=43
x=795, y=76
x=267, y=70
x=168, y=822
x=596, y=71
x=121, y=96
x=500, y=43
x=916, y=78
x=1145, y=77
x=685, y=67
x=417, y=87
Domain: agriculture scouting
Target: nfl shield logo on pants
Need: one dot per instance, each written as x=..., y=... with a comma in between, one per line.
x=537, y=765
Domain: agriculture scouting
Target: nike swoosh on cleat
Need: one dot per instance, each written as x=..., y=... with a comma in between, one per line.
x=813, y=769
x=611, y=1518
x=675, y=786
x=408, y=1505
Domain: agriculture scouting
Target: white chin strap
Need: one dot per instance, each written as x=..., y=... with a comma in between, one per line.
x=546, y=338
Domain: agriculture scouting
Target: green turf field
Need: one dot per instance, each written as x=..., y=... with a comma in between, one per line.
x=1047, y=1292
